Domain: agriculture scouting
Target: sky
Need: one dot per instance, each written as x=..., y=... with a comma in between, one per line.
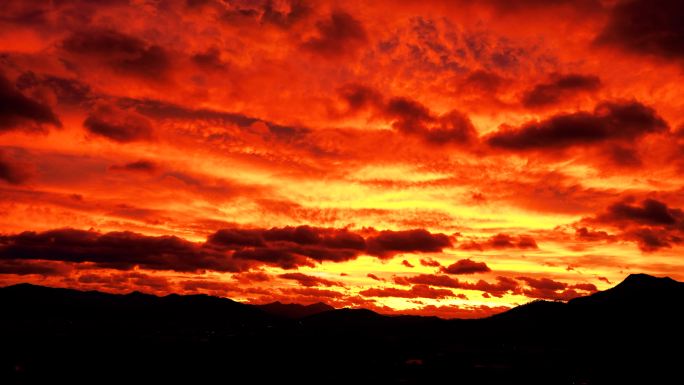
x=449, y=158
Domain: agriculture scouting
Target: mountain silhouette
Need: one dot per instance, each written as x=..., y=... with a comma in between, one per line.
x=293, y=310
x=631, y=333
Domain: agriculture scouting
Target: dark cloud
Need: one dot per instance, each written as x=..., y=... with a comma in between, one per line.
x=127, y=281
x=545, y=288
x=236, y=238
x=142, y=165
x=559, y=89
x=590, y=287
x=290, y=247
x=481, y=81
x=543, y=283
x=13, y=171
x=609, y=121
x=651, y=223
x=502, y=286
x=407, y=264
x=118, y=124
x=502, y=241
x=309, y=280
x=644, y=27
x=359, y=97
x=452, y=127
x=430, y=280
x=410, y=116
x=430, y=262
x=126, y=54
x=338, y=35
x=283, y=258
x=649, y=212
x=161, y=110
x=66, y=91
x=116, y=250
x=650, y=239
x=44, y=268
x=586, y=234
x=209, y=60
x=466, y=266
x=307, y=235
x=387, y=243
x=416, y=291
x=537, y=287
x=282, y=14
x=20, y=112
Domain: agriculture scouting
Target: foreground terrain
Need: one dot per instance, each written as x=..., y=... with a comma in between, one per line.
x=631, y=333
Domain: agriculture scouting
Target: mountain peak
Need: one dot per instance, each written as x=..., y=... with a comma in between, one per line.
x=636, y=288
x=641, y=278
x=645, y=282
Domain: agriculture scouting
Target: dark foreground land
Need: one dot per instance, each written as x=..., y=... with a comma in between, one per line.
x=630, y=334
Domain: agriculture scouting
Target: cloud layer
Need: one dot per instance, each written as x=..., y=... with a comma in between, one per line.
x=428, y=157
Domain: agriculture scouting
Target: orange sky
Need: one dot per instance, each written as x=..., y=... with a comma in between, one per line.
x=452, y=158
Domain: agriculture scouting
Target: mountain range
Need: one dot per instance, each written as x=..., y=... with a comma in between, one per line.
x=631, y=333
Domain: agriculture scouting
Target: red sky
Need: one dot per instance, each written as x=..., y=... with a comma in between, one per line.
x=452, y=158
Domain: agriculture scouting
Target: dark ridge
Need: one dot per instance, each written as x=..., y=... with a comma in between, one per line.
x=630, y=334
x=294, y=310
x=637, y=289
x=535, y=310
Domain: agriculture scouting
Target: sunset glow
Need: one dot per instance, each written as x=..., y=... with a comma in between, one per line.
x=449, y=158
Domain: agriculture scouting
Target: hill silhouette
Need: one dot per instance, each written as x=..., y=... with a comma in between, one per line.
x=294, y=310
x=631, y=333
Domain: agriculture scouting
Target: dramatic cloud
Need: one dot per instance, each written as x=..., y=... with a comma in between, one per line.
x=20, y=112
x=501, y=241
x=13, y=171
x=650, y=212
x=44, y=268
x=67, y=91
x=123, y=53
x=117, y=250
x=561, y=87
x=466, y=266
x=430, y=280
x=651, y=223
x=387, y=243
x=641, y=27
x=118, y=125
x=502, y=286
x=309, y=280
x=545, y=288
x=430, y=262
x=228, y=250
x=306, y=151
x=142, y=165
x=292, y=246
x=416, y=291
x=609, y=121
x=411, y=117
x=338, y=35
